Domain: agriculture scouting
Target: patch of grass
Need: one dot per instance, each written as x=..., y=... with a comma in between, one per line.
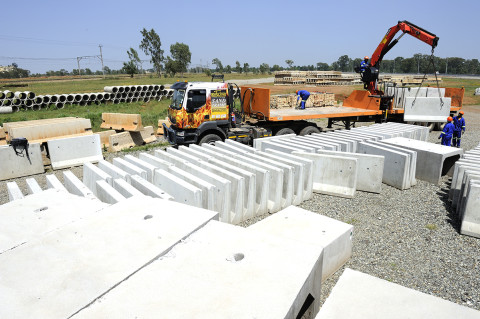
x=352, y=221
x=431, y=226
x=145, y=147
x=469, y=84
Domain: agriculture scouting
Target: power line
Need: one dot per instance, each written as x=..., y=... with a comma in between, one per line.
x=35, y=59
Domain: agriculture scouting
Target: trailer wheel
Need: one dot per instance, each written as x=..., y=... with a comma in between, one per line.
x=210, y=139
x=309, y=130
x=284, y=131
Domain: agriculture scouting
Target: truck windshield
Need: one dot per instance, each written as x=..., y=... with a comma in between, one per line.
x=177, y=99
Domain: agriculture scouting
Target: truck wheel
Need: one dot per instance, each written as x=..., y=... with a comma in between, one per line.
x=309, y=130
x=210, y=139
x=284, y=131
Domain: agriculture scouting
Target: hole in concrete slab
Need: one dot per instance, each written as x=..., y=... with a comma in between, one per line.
x=147, y=217
x=41, y=209
x=236, y=257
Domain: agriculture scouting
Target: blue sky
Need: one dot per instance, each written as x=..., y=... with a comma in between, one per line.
x=54, y=33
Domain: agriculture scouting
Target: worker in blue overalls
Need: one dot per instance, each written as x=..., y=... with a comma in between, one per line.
x=447, y=133
x=364, y=64
x=459, y=123
x=304, y=94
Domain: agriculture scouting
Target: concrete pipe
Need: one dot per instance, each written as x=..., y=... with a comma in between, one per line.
x=96, y=102
x=144, y=87
x=122, y=100
x=134, y=99
x=59, y=105
x=169, y=93
x=46, y=99
x=116, y=101
x=53, y=98
x=142, y=94
x=85, y=97
x=6, y=109
x=124, y=95
x=126, y=89
x=164, y=92
x=30, y=95
x=44, y=105
x=83, y=103
x=77, y=97
x=15, y=108
x=20, y=95
x=61, y=98
x=16, y=102
x=148, y=93
x=36, y=107
x=133, y=88
x=162, y=87
x=6, y=102
x=139, y=88
x=146, y=99
x=130, y=94
x=28, y=103
x=136, y=94
x=156, y=87
x=9, y=94
x=92, y=96
x=121, y=89
x=150, y=87
x=128, y=100
x=106, y=96
x=99, y=96
x=69, y=98
x=110, y=89
x=2, y=95
x=38, y=99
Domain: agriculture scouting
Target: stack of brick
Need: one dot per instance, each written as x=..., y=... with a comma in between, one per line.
x=316, y=99
x=316, y=78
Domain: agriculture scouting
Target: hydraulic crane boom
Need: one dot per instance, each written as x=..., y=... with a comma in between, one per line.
x=370, y=75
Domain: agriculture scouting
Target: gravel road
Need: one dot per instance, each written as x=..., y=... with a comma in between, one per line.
x=407, y=237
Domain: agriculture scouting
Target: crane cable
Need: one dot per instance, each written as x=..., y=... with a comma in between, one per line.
x=432, y=61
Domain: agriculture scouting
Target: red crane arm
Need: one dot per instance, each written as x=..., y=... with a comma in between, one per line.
x=386, y=44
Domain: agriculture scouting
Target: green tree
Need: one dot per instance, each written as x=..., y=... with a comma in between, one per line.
x=343, y=63
x=264, y=68
x=322, y=66
x=133, y=56
x=238, y=67
x=130, y=68
x=152, y=46
x=246, y=67
x=219, y=65
x=88, y=71
x=228, y=69
x=289, y=63
x=107, y=70
x=181, y=57
x=276, y=67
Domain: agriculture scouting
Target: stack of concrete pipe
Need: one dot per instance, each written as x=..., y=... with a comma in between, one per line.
x=16, y=101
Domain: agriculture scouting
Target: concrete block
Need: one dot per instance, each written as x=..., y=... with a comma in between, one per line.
x=125, y=140
x=14, y=192
x=181, y=191
x=469, y=176
x=297, y=146
x=155, y=161
x=242, y=146
x=92, y=174
x=113, y=171
x=278, y=147
x=333, y=175
x=105, y=137
x=40, y=213
x=107, y=194
x=396, y=170
x=122, y=122
x=217, y=263
x=358, y=295
x=456, y=185
x=43, y=131
x=300, y=141
x=75, y=186
x=308, y=172
x=126, y=189
x=130, y=168
x=305, y=226
x=53, y=182
x=329, y=144
x=257, y=143
x=74, y=151
x=433, y=160
x=33, y=186
x=147, y=167
x=470, y=224
x=110, y=247
x=427, y=109
x=369, y=170
x=236, y=148
x=14, y=166
x=149, y=189
x=208, y=190
x=160, y=126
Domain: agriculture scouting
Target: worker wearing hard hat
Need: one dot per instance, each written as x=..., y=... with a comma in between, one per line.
x=304, y=94
x=447, y=133
x=364, y=64
x=459, y=123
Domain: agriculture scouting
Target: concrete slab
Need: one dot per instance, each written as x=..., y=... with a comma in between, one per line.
x=351, y=145
x=369, y=170
x=427, y=109
x=470, y=224
x=357, y=295
x=468, y=176
x=92, y=255
x=125, y=140
x=126, y=189
x=257, y=143
x=246, y=148
x=92, y=174
x=300, y=141
x=181, y=191
x=217, y=263
x=278, y=147
x=208, y=190
x=155, y=161
x=41, y=213
x=105, y=138
x=305, y=226
x=456, y=185
x=14, y=166
x=74, y=151
x=32, y=186
x=234, y=147
x=130, y=168
x=297, y=146
x=76, y=187
x=308, y=176
x=146, y=166
x=396, y=170
x=14, y=192
x=113, y=171
x=53, y=182
x=42, y=132
x=433, y=160
x=333, y=175
x=147, y=188
x=122, y=122
x=332, y=144
x=107, y=193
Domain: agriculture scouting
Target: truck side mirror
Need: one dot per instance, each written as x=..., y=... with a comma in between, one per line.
x=190, y=108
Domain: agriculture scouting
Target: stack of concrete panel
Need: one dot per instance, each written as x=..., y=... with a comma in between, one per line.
x=465, y=192
x=74, y=151
x=122, y=122
x=17, y=164
x=358, y=295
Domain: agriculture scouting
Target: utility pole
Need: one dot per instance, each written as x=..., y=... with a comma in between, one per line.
x=78, y=63
x=101, y=59
x=446, y=65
